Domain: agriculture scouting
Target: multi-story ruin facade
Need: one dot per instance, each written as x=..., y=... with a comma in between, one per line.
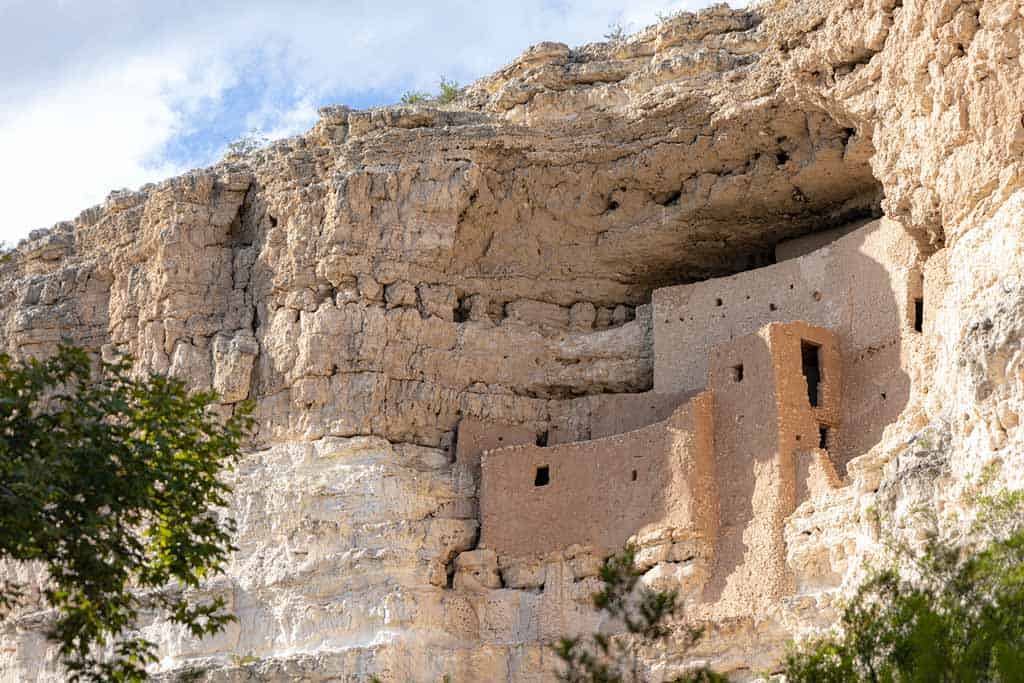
x=766, y=384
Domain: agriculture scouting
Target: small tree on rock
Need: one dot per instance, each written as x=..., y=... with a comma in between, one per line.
x=111, y=483
x=643, y=612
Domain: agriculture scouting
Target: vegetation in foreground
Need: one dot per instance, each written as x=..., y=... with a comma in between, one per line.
x=645, y=615
x=952, y=614
x=945, y=613
x=111, y=484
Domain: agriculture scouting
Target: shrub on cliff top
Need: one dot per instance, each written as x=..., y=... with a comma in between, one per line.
x=110, y=484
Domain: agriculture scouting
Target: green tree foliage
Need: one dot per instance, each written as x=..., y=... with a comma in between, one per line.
x=952, y=615
x=449, y=91
x=644, y=613
x=251, y=142
x=616, y=33
x=112, y=482
x=415, y=97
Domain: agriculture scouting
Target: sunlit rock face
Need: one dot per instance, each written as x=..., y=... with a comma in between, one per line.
x=384, y=278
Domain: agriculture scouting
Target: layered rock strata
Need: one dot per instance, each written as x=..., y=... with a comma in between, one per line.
x=378, y=280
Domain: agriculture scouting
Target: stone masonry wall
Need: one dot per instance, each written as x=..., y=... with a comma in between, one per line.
x=857, y=286
x=599, y=493
x=376, y=280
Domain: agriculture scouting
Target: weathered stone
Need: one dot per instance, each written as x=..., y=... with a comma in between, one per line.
x=598, y=174
x=233, y=359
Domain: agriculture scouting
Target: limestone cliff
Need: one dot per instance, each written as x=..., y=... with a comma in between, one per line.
x=387, y=275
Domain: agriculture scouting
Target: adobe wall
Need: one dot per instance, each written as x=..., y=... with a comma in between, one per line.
x=476, y=436
x=762, y=417
x=859, y=286
x=601, y=415
x=801, y=246
x=601, y=492
x=798, y=420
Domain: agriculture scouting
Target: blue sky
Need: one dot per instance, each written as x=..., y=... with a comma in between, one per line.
x=97, y=95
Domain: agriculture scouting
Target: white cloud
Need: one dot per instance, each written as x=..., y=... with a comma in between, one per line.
x=92, y=91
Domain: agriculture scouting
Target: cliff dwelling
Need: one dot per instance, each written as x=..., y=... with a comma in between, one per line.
x=766, y=384
x=743, y=288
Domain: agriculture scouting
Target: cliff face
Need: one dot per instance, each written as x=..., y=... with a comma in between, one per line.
x=374, y=282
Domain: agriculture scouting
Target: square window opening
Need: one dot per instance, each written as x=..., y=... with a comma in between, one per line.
x=737, y=373
x=543, y=476
x=810, y=357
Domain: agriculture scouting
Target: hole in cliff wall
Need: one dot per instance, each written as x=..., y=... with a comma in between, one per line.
x=809, y=357
x=668, y=198
x=823, y=437
x=460, y=314
x=542, y=476
x=542, y=439
x=919, y=314
x=634, y=475
x=737, y=373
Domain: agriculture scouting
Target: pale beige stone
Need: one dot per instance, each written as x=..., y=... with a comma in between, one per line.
x=375, y=282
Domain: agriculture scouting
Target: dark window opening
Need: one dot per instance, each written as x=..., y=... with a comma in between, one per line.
x=718, y=302
x=737, y=373
x=461, y=312
x=543, y=476
x=542, y=439
x=918, y=314
x=633, y=478
x=772, y=307
x=823, y=437
x=781, y=157
x=809, y=356
x=883, y=396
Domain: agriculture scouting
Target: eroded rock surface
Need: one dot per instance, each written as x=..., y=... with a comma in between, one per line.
x=390, y=273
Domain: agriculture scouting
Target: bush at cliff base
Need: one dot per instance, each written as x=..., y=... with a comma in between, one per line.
x=944, y=613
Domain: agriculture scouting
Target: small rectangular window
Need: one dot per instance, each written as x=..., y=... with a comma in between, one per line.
x=918, y=314
x=543, y=476
x=634, y=476
x=737, y=373
x=811, y=362
x=823, y=437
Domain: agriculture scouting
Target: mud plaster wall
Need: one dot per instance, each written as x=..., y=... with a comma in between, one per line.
x=757, y=422
x=601, y=492
x=594, y=417
x=856, y=286
x=801, y=246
